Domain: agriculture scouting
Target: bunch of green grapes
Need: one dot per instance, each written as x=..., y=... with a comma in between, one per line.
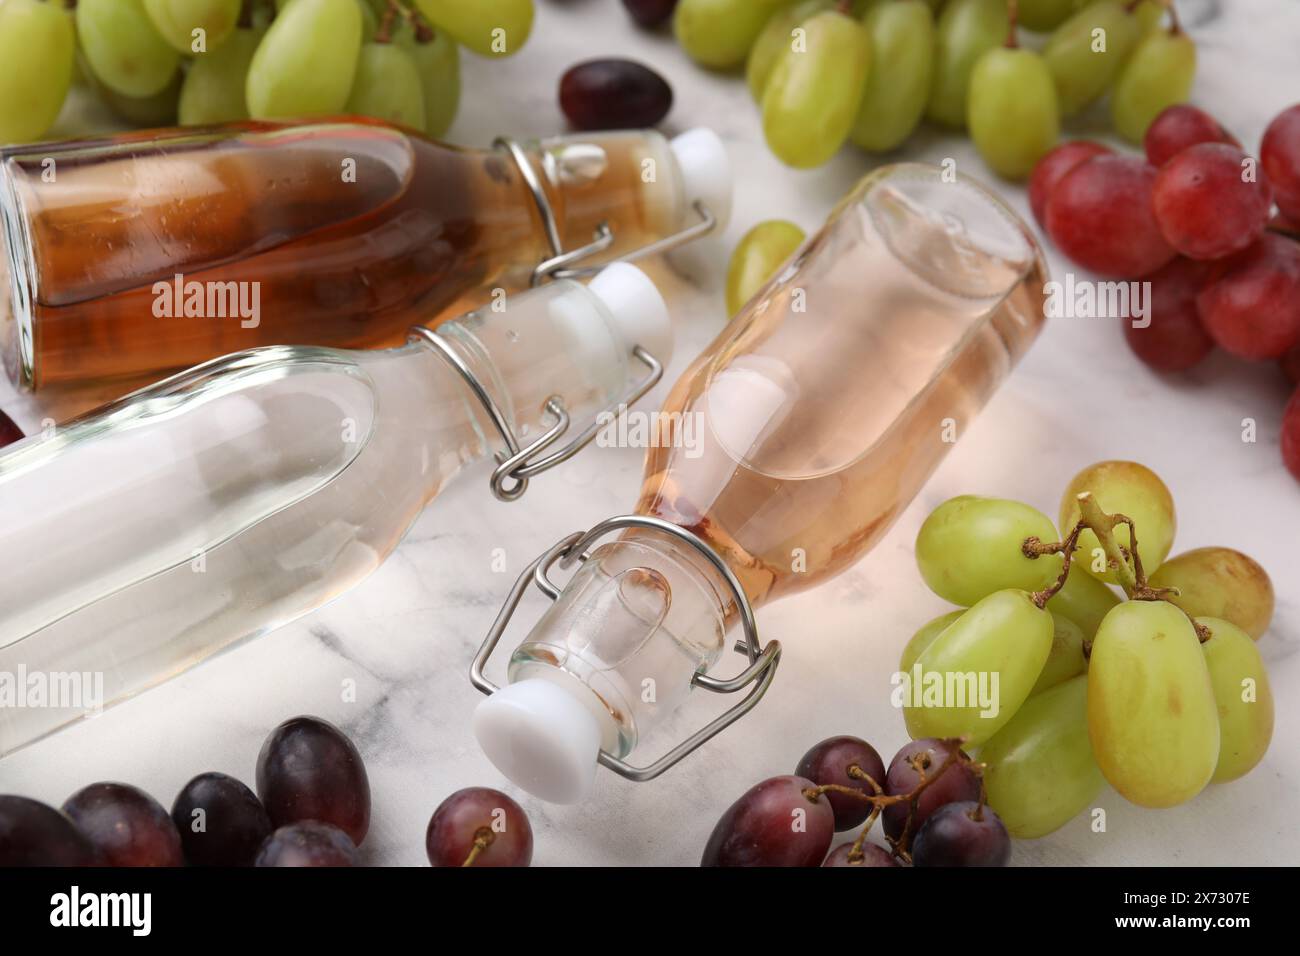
x=1158, y=691
x=156, y=62
x=869, y=71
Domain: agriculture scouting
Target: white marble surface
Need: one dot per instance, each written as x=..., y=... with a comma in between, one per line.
x=407, y=634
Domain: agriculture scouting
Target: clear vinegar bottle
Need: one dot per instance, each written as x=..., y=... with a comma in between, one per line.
x=823, y=407
x=228, y=500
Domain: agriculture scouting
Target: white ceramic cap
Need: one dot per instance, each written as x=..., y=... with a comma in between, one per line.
x=706, y=171
x=638, y=308
x=540, y=737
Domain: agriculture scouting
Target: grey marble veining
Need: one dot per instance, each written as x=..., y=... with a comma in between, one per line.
x=405, y=636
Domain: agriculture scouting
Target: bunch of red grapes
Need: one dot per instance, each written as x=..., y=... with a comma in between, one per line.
x=1194, y=218
x=312, y=808
x=930, y=803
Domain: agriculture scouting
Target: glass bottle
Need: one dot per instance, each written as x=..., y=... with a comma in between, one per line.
x=154, y=251
x=783, y=454
x=232, y=498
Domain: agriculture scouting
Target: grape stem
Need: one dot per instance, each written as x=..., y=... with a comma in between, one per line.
x=392, y=11
x=1013, y=17
x=483, y=838
x=879, y=799
x=1175, y=27
x=1126, y=562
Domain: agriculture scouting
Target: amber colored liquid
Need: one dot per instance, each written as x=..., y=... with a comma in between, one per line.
x=352, y=231
x=819, y=426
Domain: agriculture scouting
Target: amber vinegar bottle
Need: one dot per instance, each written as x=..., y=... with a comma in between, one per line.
x=146, y=252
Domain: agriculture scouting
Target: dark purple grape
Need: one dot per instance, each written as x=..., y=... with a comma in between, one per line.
x=650, y=13
x=9, y=432
x=35, y=834
x=479, y=813
x=962, y=834
x=872, y=855
x=308, y=770
x=308, y=843
x=127, y=826
x=614, y=94
x=221, y=821
x=828, y=763
x=958, y=782
x=773, y=824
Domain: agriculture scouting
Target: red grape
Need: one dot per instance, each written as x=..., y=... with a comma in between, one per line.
x=962, y=834
x=1253, y=309
x=957, y=783
x=614, y=94
x=1291, y=365
x=232, y=825
x=1279, y=154
x=650, y=13
x=828, y=763
x=1100, y=216
x=1291, y=435
x=9, y=432
x=34, y=834
x=308, y=770
x=1174, y=340
x=872, y=855
x=479, y=813
x=1052, y=167
x=127, y=826
x=308, y=843
x=1206, y=207
x=1282, y=224
x=773, y=824
x=1179, y=127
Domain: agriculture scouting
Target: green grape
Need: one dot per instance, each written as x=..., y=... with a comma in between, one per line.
x=307, y=60
x=776, y=37
x=1243, y=696
x=213, y=91
x=1222, y=583
x=387, y=86
x=813, y=94
x=122, y=47
x=1011, y=111
x=1084, y=600
x=1152, y=717
x=1084, y=65
x=370, y=21
x=756, y=258
x=176, y=21
x=902, y=62
x=996, y=649
x=439, y=66
x=720, y=33
x=1130, y=489
x=925, y=637
x=1065, y=660
x=1150, y=15
x=967, y=29
x=1044, y=15
x=1039, y=771
x=488, y=27
x=1158, y=75
x=147, y=111
x=37, y=50
x=970, y=547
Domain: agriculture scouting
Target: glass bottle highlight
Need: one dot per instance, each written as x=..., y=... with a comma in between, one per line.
x=154, y=251
x=823, y=407
x=242, y=494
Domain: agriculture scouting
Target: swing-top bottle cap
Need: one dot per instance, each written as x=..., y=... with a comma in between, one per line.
x=706, y=171
x=542, y=737
x=637, y=307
